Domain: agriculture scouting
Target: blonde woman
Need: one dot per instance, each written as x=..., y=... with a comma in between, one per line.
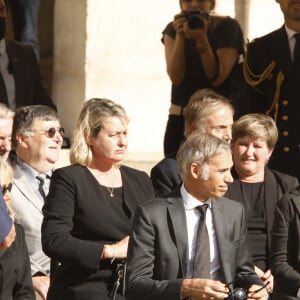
x=89, y=208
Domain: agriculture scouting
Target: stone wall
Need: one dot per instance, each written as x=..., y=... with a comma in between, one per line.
x=112, y=49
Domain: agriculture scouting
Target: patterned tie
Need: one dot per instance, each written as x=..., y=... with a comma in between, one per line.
x=202, y=252
x=43, y=186
x=297, y=49
x=3, y=92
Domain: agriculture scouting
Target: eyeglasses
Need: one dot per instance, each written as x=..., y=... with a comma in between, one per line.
x=50, y=133
x=6, y=189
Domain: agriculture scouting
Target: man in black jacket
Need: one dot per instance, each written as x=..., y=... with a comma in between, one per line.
x=272, y=74
x=20, y=79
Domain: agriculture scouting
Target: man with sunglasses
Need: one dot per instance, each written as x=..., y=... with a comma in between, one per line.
x=37, y=138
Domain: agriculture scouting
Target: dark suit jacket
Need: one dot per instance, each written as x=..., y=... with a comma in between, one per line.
x=277, y=94
x=276, y=185
x=15, y=275
x=165, y=176
x=79, y=218
x=285, y=255
x=158, y=247
x=25, y=69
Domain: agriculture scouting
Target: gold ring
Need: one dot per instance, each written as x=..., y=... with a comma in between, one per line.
x=211, y=298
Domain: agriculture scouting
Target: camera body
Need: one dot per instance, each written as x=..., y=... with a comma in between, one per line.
x=237, y=294
x=195, y=18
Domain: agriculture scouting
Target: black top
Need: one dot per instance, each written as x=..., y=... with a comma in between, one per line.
x=79, y=218
x=226, y=34
x=15, y=274
x=253, y=200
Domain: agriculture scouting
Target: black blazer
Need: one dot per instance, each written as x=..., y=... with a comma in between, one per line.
x=79, y=218
x=165, y=176
x=277, y=94
x=276, y=185
x=158, y=247
x=15, y=274
x=25, y=69
x=285, y=254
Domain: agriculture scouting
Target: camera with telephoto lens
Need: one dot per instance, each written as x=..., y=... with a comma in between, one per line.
x=195, y=18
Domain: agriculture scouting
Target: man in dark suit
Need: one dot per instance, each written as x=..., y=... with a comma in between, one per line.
x=207, y=111
x=272, y=74
x=164, y=251
x=20, y=80
x=285, y=253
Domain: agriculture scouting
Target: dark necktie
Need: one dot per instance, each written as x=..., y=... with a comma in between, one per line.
x=297, y=50
x=3, y=93
x=43, y=186
x=202, y=251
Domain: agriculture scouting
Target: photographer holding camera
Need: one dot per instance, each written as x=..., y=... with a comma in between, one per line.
x=202, y=51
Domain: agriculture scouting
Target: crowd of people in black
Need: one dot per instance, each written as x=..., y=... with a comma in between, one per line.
x=218, y=217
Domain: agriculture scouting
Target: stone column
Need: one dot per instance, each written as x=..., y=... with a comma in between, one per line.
x=69, y=82
x=242, y=8
x=112, y=49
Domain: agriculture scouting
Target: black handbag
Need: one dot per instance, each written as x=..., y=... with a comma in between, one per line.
x=119, y=283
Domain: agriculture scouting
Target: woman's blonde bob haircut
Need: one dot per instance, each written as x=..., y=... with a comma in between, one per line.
x=90, y=122
x=256, y=126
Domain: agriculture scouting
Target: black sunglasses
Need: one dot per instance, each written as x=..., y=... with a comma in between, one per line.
x=50, y=133
x=6, y=189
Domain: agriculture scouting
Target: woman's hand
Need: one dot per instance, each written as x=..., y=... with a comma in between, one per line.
x=265, y=277
x=178, y=22
x=117, y=250
x=256, y=292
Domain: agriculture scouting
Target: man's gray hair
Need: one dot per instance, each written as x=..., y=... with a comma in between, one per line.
x=199, y=148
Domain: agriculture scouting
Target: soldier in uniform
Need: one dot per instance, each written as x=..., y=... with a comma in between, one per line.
x=272, y=74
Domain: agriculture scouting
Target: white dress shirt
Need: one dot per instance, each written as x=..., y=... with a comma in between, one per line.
x=192, y=219
x=292, y=40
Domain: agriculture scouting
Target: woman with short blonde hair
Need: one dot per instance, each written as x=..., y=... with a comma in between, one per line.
x=254, y=138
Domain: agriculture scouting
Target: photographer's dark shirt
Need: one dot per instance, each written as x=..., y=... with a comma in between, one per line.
x=227, y=34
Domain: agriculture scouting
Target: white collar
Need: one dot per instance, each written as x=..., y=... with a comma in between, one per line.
x=189, y=201
x=290, y=32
